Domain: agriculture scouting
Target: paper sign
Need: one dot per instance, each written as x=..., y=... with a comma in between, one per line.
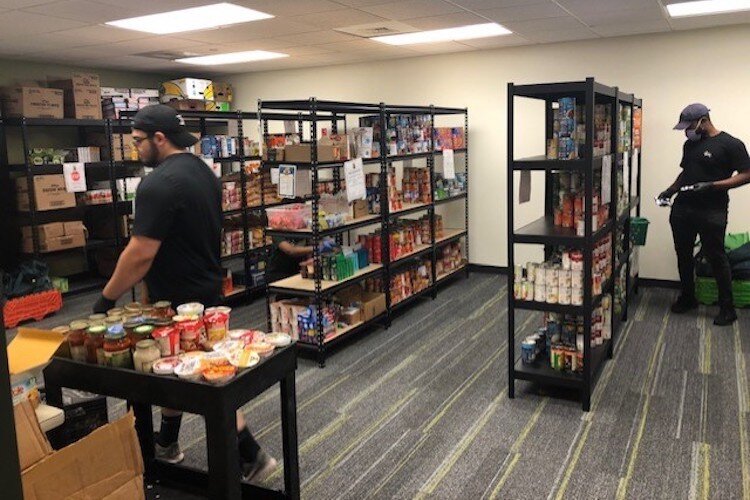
x=75, y=177
x=524, y=189
x=289, y=127
x=275, y=176
x=607, y=179
x=354, y=175
x=287, y=178
x=449, y=169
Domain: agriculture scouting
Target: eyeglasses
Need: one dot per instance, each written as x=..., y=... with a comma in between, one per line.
x=138, y=140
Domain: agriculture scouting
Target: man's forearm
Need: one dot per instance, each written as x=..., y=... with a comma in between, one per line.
x=130, y=270
x=735, y=181
x=677, y=183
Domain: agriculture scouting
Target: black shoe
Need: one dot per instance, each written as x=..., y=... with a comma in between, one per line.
x=726, y=317
x=684, y=304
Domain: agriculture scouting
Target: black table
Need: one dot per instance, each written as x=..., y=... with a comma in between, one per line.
x=218, y=405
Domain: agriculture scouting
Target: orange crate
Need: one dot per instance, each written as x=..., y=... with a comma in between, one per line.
x=34, y=306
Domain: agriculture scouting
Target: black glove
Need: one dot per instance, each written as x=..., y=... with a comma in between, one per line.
x=103, y=305
x=667, y=194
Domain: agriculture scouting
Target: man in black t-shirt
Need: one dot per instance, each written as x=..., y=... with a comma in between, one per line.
x=710, y=158
x=175, y=249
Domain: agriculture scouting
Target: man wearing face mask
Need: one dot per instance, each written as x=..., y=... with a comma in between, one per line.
x=710, y=158
x=175, y=248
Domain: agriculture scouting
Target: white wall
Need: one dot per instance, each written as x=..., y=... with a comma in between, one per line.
x=666, y=70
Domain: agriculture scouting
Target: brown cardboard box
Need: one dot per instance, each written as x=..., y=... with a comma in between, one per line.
x=78, y=80
x=55, y=244
x=122, y=145
x=188, y=104
x=106, y=464
x=45, y=231
x=74, y=228
x=33, y=102
x=301, y=153
x=222, y=91
x=83, y=103
x=32, y=443
x=372, y=305
x=49, y=193
x=360, y=208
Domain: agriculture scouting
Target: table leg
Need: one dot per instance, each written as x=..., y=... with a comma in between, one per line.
x=223, y=454
x=54, y=398
x=144, y=427
x=289, y=436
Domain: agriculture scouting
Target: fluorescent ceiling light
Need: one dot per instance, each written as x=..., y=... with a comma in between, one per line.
x=197, y=18
x=232, y=58
x=707, y=7
x=445, y=35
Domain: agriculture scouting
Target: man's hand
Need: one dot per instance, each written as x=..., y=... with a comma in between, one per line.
x=103, y=305
x=667, y=194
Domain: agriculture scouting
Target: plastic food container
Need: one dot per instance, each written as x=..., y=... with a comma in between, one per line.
x=190, y=309
x=166, y=366
x=168, y=340
x=227, y=346
x=189, y=369
x=294, y=216
x=262, y=348
x=244, y=358
x=278, y=339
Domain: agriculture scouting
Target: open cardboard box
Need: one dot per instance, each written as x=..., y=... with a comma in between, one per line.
x=106, y=464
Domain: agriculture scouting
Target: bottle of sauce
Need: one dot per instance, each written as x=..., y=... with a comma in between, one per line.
x=77, y=340
x=117, y=348
x=145, y=355
x=95, y=344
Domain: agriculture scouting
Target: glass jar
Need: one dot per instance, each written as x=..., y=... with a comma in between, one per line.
x=145, y=355
x=117, y=348
x=133, y=307
x=111, y=321
x=162, y=322
x=77, y=340
x=116, y=311
x=163, y=309
x=141, y=332
x=97, y=319
x=147, y=311
x=95, y=344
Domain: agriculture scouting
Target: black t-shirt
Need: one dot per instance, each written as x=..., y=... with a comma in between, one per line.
x=179, y=204
x=707, y=160
x=281, y=264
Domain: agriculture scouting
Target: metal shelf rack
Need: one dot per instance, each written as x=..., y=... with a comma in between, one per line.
x=312, y=112
x=544, y=232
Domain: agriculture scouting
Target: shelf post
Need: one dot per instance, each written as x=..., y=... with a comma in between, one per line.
x=385, y=211
x=431, y=211
x=589, y=246
x=511, y=262
x=316, y=232
x=262, y=145
x=466, y=200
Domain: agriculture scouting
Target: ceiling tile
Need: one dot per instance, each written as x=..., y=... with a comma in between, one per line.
x=83, y=10
x=306, y=50
x=336, y=19
x=525, y=12
x=145, y=7
x=41, y=42
x=412, y=8
x=540, y=25
x=352, y=46
x=564, y=35
x=496, y=41
x=440, y=48
x=488, y=4
x=150, y=44
x=17, y=23
x=447, y=21
x=249, y=31
x=587, y=7
x=273, y=44
x=645, y=14
x=19, y=4
x=318, y=37
x=359, y=3
x=290, y=7
x=631, y=28
x=98, y=33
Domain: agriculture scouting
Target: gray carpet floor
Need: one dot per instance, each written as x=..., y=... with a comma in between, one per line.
x=421, y=409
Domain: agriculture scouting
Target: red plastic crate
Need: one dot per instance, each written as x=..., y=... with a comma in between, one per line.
x=34, y=306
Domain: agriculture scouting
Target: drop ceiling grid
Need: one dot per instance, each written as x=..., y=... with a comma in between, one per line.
x=73, y=30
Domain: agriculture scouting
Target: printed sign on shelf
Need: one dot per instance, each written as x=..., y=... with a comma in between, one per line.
x=75, y=177
x=287, y=179
x=354, y=175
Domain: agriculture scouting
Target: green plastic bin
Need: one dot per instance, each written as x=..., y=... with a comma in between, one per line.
x=707, y=292
x=638, y=230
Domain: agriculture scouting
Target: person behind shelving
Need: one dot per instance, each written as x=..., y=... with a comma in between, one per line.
x=710, y=158
x=285, y=256
x=175, y=250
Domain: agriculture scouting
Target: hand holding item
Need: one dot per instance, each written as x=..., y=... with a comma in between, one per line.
x=327, y=245
x=103, y=305
x=699, y=187
x=666, y=194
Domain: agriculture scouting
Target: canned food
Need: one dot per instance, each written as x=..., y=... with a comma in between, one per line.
x=517, y=291
x=540, y=293
x=563, y=295
x=556, y=359
x=531, y=271
x=528, y=351
x=576, y=296
x=552, y=277
x=552, y=294
x=517, y=273
x=576, y=279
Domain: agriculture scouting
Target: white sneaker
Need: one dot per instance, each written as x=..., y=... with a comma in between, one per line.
x=256, y=472
x=171, y=454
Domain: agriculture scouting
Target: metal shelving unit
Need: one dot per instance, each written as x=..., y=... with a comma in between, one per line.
x=544, y=232
x=312, y=112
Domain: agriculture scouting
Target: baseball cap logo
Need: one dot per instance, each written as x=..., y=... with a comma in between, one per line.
x=181, y=120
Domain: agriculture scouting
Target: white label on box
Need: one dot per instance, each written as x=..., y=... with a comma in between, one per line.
x=287, y=178
x=449, y=169
x=354, y=174
x=275, y=176
x=75, y=177
x=607, y=179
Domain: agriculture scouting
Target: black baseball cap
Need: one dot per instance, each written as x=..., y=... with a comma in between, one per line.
x=691, y=113
x=164, y=119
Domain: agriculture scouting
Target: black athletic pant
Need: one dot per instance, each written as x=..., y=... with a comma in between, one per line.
x=688, y=222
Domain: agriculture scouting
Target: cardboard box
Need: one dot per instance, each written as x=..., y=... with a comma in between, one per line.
x=83, y=103
x=216, y=106
x=188, y=105
x=122, y=145
x=221, y=91
x=77, y=81
x=373, y=304
x=31, y=349
x=106, y=464
x=121, y=92
x=49, y=193
x=143, y=93
x=33, y=446
x=55, y=244
x=74, y=228
x=359, y=208
x=33, y=102
x=301, y=153
x=44, y=231
x=185, y=88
